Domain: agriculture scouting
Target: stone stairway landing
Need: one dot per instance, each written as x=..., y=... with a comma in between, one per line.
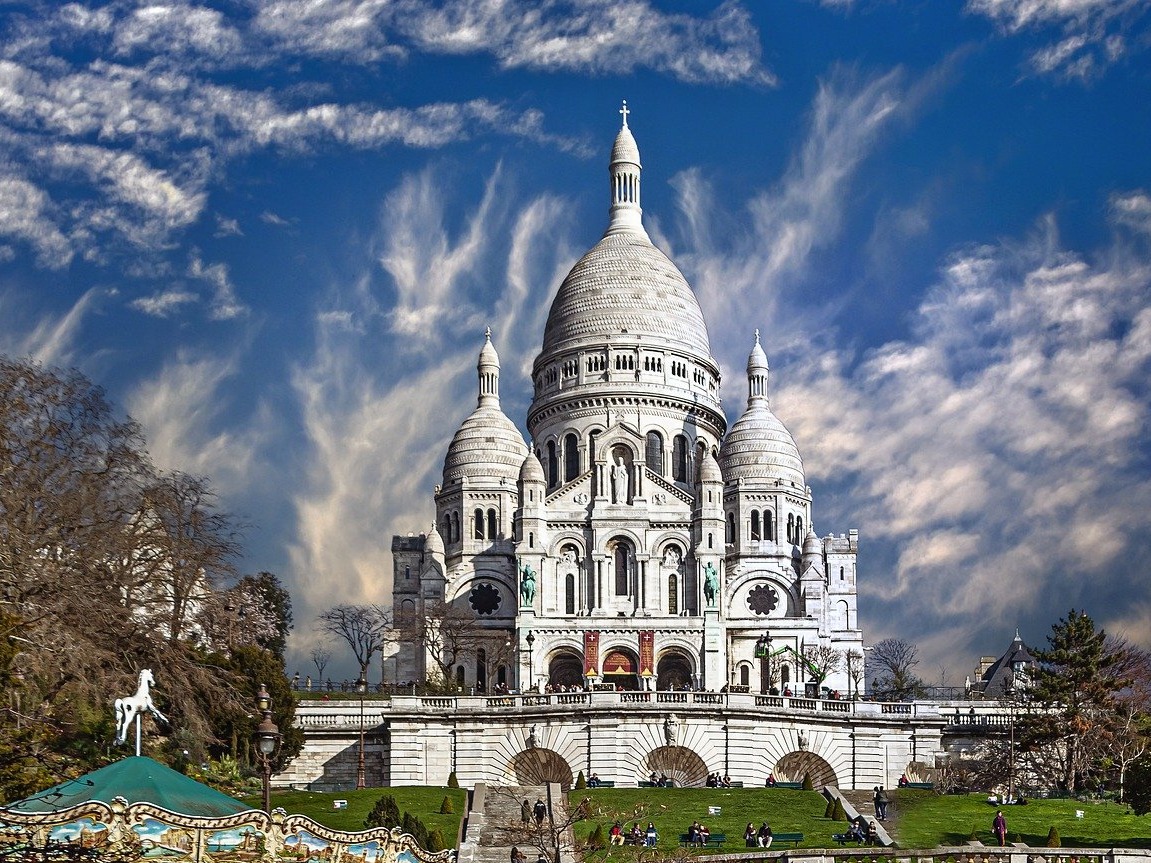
x=495, y=824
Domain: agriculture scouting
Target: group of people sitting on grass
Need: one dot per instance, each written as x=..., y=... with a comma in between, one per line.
x=760, y=838
x=714, y=780
x=617, y=835
x=862, y=831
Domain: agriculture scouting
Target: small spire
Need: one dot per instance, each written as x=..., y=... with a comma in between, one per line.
x=757, y=335
x=488, y=333
x=624, y=111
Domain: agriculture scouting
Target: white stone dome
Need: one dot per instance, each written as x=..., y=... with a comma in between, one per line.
x=625, y=285
x=487, y=446
x=759, y=447
x=532, y=470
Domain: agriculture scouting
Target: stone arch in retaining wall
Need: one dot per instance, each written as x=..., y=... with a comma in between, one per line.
x=793, y=766
x=538, y=766
x=680, y=764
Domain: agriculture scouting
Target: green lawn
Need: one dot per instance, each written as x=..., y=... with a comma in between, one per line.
x=674, y=809
x=926, y=820
x=424, y=803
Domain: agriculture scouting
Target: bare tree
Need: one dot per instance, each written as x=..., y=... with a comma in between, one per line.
x=364, y=628
x=855, y=670
x=891, y=667
x=822, y=661
x=321, y=656
x=447, y=633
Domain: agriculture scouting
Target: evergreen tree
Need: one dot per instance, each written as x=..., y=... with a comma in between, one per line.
x=1053, y=840
x=453, y=780
x=1070, y=705
x=580, y=783
x=1138, y=791
x=386, y=813
x=436, y=841
x=446, y=807
x=807, y=784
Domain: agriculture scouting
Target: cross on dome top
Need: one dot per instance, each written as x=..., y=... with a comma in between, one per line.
x=625, y=111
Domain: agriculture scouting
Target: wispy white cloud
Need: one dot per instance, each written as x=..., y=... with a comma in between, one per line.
x=47, y=338
x=1093, y=34
x=28, y=214
x=164, y=304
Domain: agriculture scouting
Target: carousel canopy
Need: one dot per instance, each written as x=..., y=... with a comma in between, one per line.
x=138, y=780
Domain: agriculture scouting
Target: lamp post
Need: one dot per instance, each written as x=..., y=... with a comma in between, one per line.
x=763, y=653
x=531, y=639
x=361, y=688
x=266, y=741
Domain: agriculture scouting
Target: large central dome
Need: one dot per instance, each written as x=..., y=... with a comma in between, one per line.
x=625, y=285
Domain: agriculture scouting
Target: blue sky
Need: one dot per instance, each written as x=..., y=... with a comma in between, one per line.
x=275, y=230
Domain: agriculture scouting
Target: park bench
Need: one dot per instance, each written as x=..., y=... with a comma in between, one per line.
x=716, y=839
x=734, y=785
x=844, y=838
x=793, y=838
x=602, y=783
x=646, y=784
x=793, y=785
x=921, y=786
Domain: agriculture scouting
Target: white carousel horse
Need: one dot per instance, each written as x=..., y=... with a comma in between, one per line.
x=128, y=708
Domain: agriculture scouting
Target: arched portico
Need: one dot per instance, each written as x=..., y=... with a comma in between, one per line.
x=679, y=764
x=673, y=670
x=795, y=765
x=621, y=667
x=538, y=766
x=565, y=668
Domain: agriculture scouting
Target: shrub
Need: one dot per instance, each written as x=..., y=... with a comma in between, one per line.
x=580, y=783
x=596, y=839
x=829, y=809
x=415, y=828
x=436, y=841
x=1053, y=838
x=837, y=813
x=453, y=781
x=446, y=808
x=973, y=836
x=386, y=813
x=807, y=784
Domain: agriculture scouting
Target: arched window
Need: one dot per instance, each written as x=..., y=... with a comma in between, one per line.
x=621, y=558
x=841, y=573
x=799, y=529
x=481, y=670
x=446, y=527
x=768, y=525
x=569, y=594
x=790, y=527
x=673, y=594
x=654, y=452
x=711, y=540
x=460, y=676
x=679, y=458
x=455, y=526
x=755, y=525
x=478, y=526
x=730, y=527
x=591, y=440
x=492, y=532
x=571, y=457
x=745, y=675
x=553, y=465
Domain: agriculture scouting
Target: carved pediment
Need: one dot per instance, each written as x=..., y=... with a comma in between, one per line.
x=576, y=494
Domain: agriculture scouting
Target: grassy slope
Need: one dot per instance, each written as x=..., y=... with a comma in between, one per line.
x=674, y=809
x=925, y=820
x=424, y=803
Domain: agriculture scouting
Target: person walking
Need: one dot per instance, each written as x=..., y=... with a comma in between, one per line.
x=526, y=812
x=881, y=802
x=999, y=827
x=541, y=810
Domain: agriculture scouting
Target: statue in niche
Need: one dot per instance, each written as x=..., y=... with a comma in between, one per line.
x=801, y=742
x=671, y=557
x=710, y=583
x=527, y=584
x=670, y=730
x=533, y=739
x=619, y=482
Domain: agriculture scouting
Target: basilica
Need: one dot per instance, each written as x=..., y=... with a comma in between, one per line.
x=637, y=542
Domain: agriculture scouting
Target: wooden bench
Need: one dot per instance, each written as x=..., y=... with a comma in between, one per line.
x=793, y=838
x=602, y=783
x=920, y=786
x=646, y=784
x=715, y=839
x=795, y=786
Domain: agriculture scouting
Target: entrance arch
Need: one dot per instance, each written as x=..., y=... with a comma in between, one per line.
x=537, y=766
x=621, y=668
x=793, y=766
x=673, y=671
x=566, y=669
x=679, y=764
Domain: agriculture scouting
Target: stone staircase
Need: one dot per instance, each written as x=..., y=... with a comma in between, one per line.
x=494, y=825
x=860, y=803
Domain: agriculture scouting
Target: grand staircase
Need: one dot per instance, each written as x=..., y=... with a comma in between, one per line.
x=494, y=825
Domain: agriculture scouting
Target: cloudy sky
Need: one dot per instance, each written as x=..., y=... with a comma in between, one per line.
x=275, y=230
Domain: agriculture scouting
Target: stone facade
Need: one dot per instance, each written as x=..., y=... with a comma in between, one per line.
x=638, y=541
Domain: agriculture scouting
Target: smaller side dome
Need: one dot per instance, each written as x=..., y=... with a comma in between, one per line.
x=434, y=543
x=759, y=447
x=487, y=444
x=709, y=470
x=811, y=544
x=532, y=471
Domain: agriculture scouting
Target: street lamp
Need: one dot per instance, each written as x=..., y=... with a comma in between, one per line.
x=531, y=639
x=266, y=741
x=763, y=653
x=361, y=688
